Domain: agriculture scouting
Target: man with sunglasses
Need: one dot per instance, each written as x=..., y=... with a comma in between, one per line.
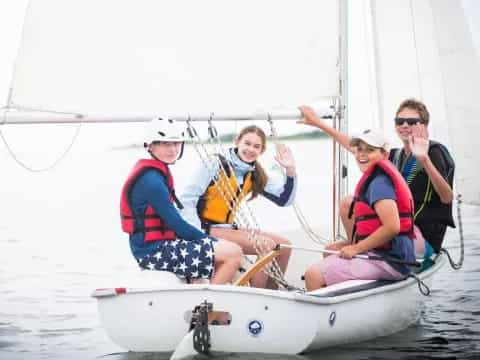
x=426, y=165
x=428, y=169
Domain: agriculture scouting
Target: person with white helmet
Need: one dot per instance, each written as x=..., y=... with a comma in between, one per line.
x=160, y=239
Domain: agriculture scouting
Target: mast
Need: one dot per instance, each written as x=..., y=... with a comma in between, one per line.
x=340, y=155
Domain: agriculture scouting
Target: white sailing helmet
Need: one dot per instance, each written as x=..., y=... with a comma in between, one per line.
x=163, y=128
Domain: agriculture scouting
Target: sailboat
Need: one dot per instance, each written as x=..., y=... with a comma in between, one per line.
x=244, y=61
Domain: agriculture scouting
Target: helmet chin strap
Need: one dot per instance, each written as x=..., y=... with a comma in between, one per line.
x=181, y=151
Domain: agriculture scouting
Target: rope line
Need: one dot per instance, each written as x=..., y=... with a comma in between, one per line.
x=458, y=265
x=23, y=164
x=319, y=239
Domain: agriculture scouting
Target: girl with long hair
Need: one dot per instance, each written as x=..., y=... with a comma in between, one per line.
x=212, y=198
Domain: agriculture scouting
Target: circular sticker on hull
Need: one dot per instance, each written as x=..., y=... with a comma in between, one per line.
x=255, y=327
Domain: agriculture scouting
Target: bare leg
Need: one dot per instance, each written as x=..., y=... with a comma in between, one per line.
x=241, y=237
x=345, y=204
x=314, y=278
x=227, y=260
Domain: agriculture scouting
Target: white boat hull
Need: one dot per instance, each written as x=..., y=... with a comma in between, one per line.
x=264, y=321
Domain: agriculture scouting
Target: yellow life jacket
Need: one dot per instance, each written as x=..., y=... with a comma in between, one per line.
x=223, y=193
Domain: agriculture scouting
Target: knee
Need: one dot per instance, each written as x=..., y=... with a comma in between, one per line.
x=284, y=241
x=345, y=204
x=228, y=251
x=311, y=273
x=287, y=250
x=276, y=239
x=313, y=278
x=235, y=250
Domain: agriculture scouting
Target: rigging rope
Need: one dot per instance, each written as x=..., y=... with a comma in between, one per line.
x=319, y=239
x=422, y=287
x=23, y=164
x=458, y=265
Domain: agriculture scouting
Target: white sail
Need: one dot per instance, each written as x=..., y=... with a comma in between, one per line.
x=460, y=69
x=406, y=61
x=132, y=57
x=424, y=49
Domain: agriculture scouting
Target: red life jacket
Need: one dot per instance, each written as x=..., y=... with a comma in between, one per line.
x=366, y=219
x=154, y=229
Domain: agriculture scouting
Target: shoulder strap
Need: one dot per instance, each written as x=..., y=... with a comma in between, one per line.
x=395, y=156
x=446, y=156
x=225, y=164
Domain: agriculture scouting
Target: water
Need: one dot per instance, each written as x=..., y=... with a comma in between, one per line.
x=60, y=239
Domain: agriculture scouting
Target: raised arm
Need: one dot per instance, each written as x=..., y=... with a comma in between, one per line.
x=310, y=118
x=419, y=145
x=285, y=158
x=282, y=191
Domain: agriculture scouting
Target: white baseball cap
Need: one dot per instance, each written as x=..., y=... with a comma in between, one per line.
x=372, y=138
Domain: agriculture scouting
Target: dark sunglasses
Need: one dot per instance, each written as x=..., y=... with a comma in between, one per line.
x=409, y=121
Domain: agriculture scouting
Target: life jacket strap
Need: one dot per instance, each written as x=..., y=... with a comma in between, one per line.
x=130, y=217
x=366, y=217
x=352, y=205
x=177, y=201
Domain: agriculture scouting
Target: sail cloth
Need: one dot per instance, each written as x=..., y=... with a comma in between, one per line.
x=149, y=56
x=460, y=68
x=424, y=49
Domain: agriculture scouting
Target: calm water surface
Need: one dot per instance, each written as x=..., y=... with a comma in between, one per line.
x=60, y=239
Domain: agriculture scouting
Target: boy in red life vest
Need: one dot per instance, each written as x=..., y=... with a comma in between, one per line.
x=159, y=237
x=426, y=165
x=381, y=223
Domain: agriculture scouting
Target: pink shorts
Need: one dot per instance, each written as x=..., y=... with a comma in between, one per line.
x=335, y=269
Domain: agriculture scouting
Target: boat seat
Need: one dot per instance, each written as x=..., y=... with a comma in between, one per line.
x=348, y=287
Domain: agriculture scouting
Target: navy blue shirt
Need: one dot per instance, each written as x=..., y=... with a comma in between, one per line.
x=151, y=189
x=381, y=188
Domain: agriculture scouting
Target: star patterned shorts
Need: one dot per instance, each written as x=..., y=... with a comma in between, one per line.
x=192, y=259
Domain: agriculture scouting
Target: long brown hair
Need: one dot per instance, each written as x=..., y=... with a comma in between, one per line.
x=260, y=178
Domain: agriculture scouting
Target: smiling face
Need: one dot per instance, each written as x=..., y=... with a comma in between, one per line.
x=404, y=130
x=366, y=155
x=250, y=146
x=165, y=151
